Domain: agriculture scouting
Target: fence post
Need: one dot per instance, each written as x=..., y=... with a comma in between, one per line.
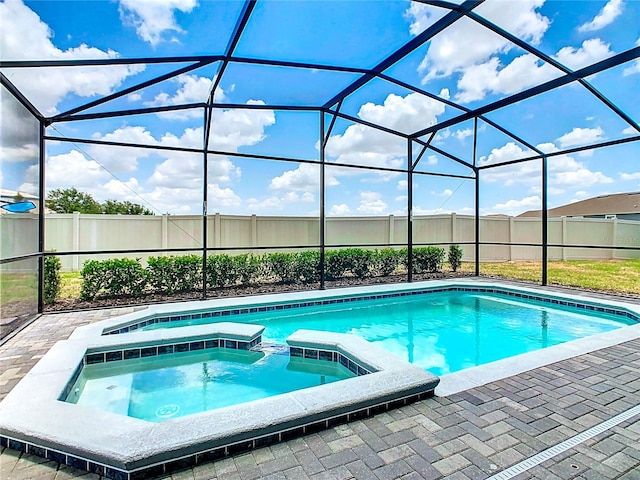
x=75, y=236
x=165, y=230
x=254, y=230
x=511, y=229
x=392, y=228
x=217, y=230
x=614, y=236
x=564, y=238
x=454, y=227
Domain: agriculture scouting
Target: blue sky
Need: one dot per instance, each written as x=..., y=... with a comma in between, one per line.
x=466, y=64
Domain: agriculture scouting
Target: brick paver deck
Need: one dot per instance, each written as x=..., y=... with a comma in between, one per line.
x=471, y=435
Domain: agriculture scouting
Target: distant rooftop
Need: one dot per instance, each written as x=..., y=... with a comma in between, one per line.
x=614, y=204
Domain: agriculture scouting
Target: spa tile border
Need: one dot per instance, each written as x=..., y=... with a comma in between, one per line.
x=330, y=356
x=128, y=353
x=197, y=458
x=217, y=314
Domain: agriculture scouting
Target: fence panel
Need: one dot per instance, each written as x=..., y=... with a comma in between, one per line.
x=75, y=232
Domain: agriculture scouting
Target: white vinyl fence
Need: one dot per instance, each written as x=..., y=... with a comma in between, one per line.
x=75, y=232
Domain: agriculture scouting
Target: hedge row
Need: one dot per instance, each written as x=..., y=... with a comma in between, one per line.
x=175, y=274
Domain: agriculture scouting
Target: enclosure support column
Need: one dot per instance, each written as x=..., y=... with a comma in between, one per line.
x=41, y=195
x=322, y=200
x=205, y=195
x=409, y=211
x=477, y=197
x=545, y=218
x=477, y=223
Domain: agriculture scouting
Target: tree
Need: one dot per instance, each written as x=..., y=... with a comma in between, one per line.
x=115, y=207
x=69, y=200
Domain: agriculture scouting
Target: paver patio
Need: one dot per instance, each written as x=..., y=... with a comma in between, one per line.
x=474, y=434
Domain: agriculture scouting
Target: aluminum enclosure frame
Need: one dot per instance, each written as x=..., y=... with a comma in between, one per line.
x=331, y=109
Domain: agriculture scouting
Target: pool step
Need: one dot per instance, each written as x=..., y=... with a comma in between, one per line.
x=273, y=348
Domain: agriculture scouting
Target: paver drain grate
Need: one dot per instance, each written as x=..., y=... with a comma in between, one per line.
x=537, y=459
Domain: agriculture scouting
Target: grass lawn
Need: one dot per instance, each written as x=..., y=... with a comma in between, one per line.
x=70, y=284
x=609, y=275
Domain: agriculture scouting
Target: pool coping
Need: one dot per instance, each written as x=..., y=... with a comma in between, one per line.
x=35, y=421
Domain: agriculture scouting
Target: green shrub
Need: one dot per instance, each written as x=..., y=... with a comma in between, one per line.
x=175, y=273
x=51, y=279
x=335, y=264
x=282, y=267
x=112, y=278
x=358, y=261
x=428, y=259
x=307, y=266
x=248, y=267
x=455, y=257
x=221, y=271
x=385, y=261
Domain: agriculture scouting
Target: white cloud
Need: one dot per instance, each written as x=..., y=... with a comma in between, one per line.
x=123, y=190
x=305, y=178
x=122, y=159
x=221, y=197
x=581, y=136
x=403, y=185
x=524, y=71
x=233, y=128
x=630, y=131
x=362, y=145
x=462, y=134
x=635, y=67
x=18, y=131
x=73, y=169
x=191, y=89
x=152, y=19
x=371, y=203
x=339, y=210
x=605, y=17
x=276, y=203
x=630, y=176
x=591, y=51
x=508, y=152
x=422, y=16
x=515, y=207
x=467, y=43
x=564, y=172
x=26, y=36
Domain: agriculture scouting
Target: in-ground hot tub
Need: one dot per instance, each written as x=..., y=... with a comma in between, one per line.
x=35, y=418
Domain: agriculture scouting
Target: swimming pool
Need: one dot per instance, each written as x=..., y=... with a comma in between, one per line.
x=443, y=331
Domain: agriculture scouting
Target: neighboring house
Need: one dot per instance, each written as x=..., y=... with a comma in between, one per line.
x=11, y=196
x=624, y=206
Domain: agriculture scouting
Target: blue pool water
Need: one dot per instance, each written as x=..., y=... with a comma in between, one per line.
x=442, y=332
x=175, y=385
